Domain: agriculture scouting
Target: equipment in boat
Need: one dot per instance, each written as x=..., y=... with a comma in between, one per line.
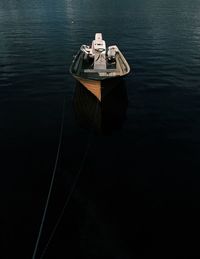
x=94, y=65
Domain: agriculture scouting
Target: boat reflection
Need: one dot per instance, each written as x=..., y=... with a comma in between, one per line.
x=105, y=116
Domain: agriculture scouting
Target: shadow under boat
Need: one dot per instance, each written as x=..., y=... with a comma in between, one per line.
x=103, y=116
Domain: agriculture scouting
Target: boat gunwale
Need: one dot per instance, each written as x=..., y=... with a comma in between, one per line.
x=98, y=78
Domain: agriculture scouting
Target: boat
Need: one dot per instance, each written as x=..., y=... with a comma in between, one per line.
x=103, y=117
x=96, y=66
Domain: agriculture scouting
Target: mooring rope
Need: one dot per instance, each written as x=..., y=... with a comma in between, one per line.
x=72, y=189
x=51, y=184
x=66, y=202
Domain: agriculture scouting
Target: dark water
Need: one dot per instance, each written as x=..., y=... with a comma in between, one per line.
x=138, y=191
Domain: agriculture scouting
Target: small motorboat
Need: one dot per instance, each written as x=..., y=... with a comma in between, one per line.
x=97, y=66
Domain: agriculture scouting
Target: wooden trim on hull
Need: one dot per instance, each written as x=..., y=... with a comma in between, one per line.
x=100, y=88
x=93, y=86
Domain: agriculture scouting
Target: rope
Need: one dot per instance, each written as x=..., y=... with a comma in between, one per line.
x=66, y=203
x=51, y=184
x=71, y=191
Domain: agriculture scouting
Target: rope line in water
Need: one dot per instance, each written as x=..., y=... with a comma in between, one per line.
x=71, y=191
x=66, y=202
x=51, y=184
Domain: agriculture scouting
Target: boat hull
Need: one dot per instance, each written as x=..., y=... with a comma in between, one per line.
x=103, y=117
x=99, y=88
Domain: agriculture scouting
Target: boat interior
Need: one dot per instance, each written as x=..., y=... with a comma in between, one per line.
x=99, y=62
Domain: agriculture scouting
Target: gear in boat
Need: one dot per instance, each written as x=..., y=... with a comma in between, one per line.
x=96, y=62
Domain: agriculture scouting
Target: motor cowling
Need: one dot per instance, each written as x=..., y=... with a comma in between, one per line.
x=112, y=50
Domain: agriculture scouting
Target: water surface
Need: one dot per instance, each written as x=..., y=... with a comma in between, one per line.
x=140, y=179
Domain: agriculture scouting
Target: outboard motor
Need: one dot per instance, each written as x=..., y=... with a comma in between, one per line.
x=99, y=45
x=112, y=50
